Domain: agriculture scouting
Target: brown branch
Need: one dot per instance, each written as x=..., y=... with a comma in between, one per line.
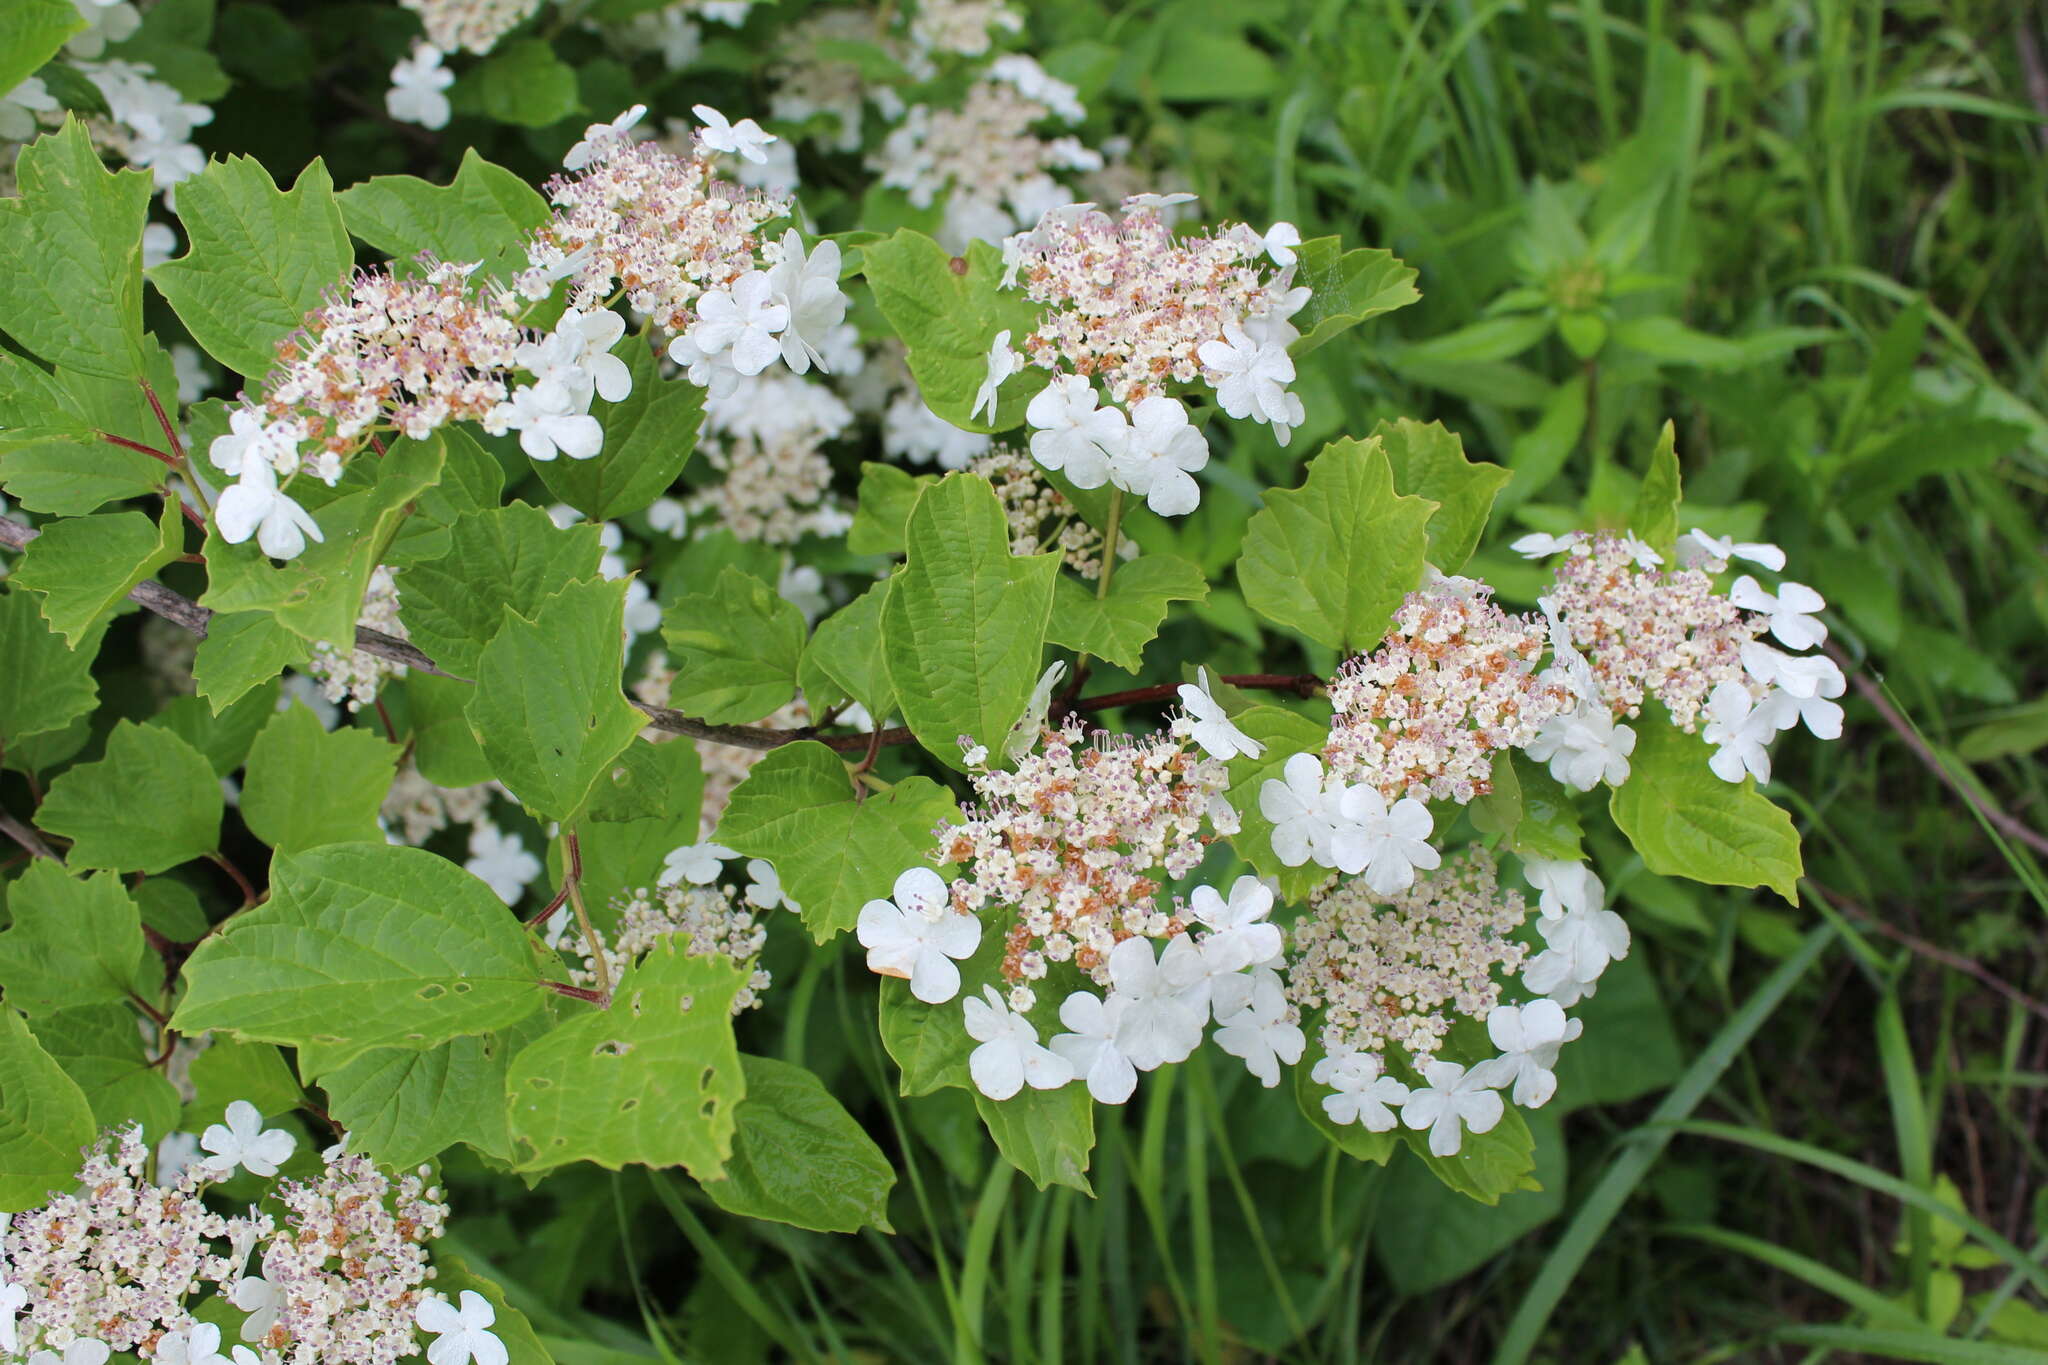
x=1969, y=967
x=1872, y=693
x=26, y=837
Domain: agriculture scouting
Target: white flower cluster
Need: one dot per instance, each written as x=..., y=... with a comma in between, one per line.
x=767, y=434
x=709, y=916
x=352, y=674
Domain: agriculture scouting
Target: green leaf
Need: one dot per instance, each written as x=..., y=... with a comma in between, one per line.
x=1449, y=1235
x=735, y=648
x=948, y=310
x=485, y=214
x=1629, y=1048
x=45, y=685
x=363, y=946
x=84, y=566
x=229, y=1070
x=1117, y=627
x=1667, y=339
x=308, y=786
x=548, y=709
x=505, y=557
x=73, y=941
x=654, y=1080
x=647, y=441
x=1487, y=1165
x=32, y=32
x=833, y=853
x=1686, y=822
x=44, y=1120
x=225, y=738
x=71, y=477
x=320, y=594
x=650, y=781
x=444, y=749
x=100, y=1048
x=147, y=769
x=241, y=651
x=523, y=83
x=1347, y=288
x=1047, y=1134
x=888, y=493
x=799, y=1158
x=471, y=481
x=260, y=259
x=1333, y=558
x=848, y=650
x=1285, y=734
x=509, y=1326
x=1429, y=461
x=1655, y=518
x=403, y=1107
x=965, y=620
x=928, y=1043
x=1531, y=808
x=71, y=256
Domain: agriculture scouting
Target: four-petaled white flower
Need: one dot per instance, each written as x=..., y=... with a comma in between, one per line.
x=500, y=860
x=1455, y=1101
x=1164, y=1000
x=262, y=1301
x=1070, y=433
x=1301, y=806
x=598, y=136
x=1159, y=457
x=1255, y=374
x=1010, y=1055
x=1579, y=945
x=583, y=343
x=462, y=1334
x=1540, y=545
x=709, y=370
x=1261, y=1033
x=13, y=1298
x=1805, y=686
x=1280, y=241
x=1239, y=935
x=198, y=1346
x=764, y=886
x=1387, y=845
x=80, y=1351
x=744, y=138
x=808, y=287
x=1639, y=550
x=243, y=1141
x=1565, y=886
x=257, y=506
x=1791, y=610
x=1585, y=747
x=1529, y=1037
x=1363, y=1094
x=1739, y=729
x=277, y=443
x=1210, y=726
x=697, y=864
x=743, y=321
x=549, y=422
x=1002, y=363
x=917, y=935
x=417, y=83
x=1698, y=545
x=1089, y=1045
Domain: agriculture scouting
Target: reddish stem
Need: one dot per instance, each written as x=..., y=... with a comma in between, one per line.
x=122, y=441
x=170, y=432
x=220, y=860
x=574, y=992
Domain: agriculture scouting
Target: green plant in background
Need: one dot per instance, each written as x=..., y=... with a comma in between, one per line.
x=1654, y=286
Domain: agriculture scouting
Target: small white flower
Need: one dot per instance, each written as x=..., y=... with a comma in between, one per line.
x=669, y=517
x=417, y=83
x=1301, y=806
x=1024, y=731
x=587, y=340
x=193, y=380
x=1261, y=1033
x=598, y=136
x=975, y=755
x=1455, y=1101
x=19, y=107
x=244, y=1356
x=549, y=422
x=176, y=1152
x=1585, y=747
x=248, y=434
x=1696, y=547
x=744, y=138
x=244, y=1142
x=81, y=1351
x=1280, y=241
x=1579, y=946
x=1070, y=433
x=1387, y=845
x=199, y=1346
x=501, y=862
x=1223, y=817
x=1529, y=1038
x=743, y=321
x=1010, y=1055
x=808, y=287
x=159, y=244
x=1163, y=1010
x=1002, y=363
x=1564, y=886
x=917, y=936
x=262, y=1301
x=697, y=864
x=1238, y=933
x=709, y=370
x=1159, y=457
x=1639, y=550
x=1149, y=200
x=256, y=506
x=1089, y=1045
x=764, y=886
x=1539, y=545
x=1791, y=610
x=13, y=1298
x=1739, y=730
x=1254, y=374
x=1210, y=726
x=462, y=1334
x=1363, y=1094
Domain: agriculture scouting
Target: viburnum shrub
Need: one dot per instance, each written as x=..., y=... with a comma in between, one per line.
x=557, y=736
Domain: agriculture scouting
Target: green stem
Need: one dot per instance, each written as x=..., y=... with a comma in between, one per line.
x=974, y=1270
x=1109, y=543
